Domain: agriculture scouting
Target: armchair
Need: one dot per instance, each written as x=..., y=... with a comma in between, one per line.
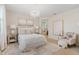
x=68, y=39
x=71, y=38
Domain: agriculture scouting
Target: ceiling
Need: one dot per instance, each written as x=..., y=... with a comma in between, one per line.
x=44, y=9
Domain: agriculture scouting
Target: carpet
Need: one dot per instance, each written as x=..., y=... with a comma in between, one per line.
x=48, y=49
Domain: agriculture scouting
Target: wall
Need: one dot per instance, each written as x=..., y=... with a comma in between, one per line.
x=71, y=21
x=13, y=18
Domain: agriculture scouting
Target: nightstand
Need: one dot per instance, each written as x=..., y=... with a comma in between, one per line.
x=12, y=38
x=12, y=35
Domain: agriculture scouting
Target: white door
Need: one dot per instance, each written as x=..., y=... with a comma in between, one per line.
x=2, y=28
x=58, y=27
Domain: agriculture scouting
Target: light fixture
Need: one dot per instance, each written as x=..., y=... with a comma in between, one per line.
x=35, y=13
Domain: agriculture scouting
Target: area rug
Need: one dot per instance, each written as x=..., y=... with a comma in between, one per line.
x=48, y=49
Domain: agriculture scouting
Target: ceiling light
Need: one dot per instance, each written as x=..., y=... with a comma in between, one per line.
x=35, y=13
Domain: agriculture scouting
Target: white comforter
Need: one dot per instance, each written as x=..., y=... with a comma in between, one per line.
x=31, y=41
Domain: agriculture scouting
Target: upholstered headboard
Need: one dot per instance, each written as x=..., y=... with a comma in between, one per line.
x=27, y=27
x=26, y=30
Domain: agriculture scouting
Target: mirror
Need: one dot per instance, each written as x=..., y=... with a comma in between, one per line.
x=44, y=25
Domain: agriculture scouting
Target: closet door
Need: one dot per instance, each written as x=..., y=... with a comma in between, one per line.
x=58, y=27
x=3, y=37
x=1, y=18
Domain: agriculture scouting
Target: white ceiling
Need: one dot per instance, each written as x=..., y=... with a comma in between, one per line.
x=44, y=9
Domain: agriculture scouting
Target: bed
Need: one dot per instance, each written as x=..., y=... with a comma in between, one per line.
x=31, y=41
x=28, y=39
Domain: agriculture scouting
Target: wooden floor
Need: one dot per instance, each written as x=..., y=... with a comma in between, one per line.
x=74, y=50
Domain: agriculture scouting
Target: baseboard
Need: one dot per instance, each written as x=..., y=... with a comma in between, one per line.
x=53, y=37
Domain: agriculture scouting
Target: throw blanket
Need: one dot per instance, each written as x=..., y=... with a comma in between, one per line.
x=29, y=42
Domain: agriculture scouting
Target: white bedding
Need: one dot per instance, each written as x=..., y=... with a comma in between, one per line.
x=31, y=41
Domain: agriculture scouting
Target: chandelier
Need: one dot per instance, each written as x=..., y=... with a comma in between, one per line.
x=35, y=13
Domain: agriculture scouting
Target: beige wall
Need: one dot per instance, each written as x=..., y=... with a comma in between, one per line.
x=13, y=18
x=71, y=21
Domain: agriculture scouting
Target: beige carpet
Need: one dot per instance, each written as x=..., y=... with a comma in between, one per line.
x=48, y=49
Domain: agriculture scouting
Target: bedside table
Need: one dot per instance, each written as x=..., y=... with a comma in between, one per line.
x=12, y=34
x=12, y=38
